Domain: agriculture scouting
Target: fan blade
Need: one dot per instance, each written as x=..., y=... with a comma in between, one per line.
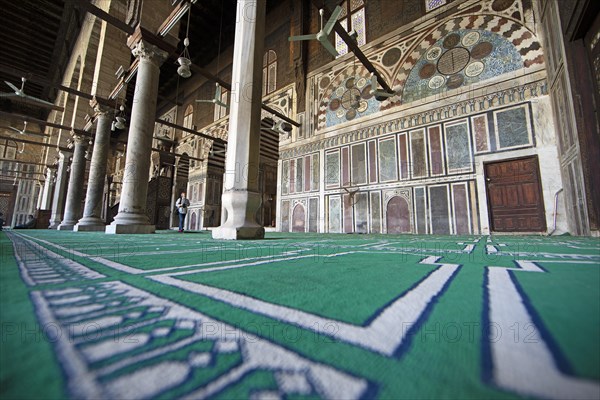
x=332, y=20
x=13, y=87
x=16, y=130
x=302, y=37
x=8, y=94
x=38, y=100
x=373, y=83
x=204, y=101
x=329, y=47
x=381, y=93
x=220, y=103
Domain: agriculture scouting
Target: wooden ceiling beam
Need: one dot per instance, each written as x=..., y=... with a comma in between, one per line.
x=86, y=5
x=19, y=140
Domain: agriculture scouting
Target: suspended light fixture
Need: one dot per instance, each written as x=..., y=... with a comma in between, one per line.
x=119, y=122
x=184, y=59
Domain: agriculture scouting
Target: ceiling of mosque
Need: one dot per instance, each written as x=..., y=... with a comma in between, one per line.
x=36, y=36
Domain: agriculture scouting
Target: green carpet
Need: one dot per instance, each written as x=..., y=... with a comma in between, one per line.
x=89, y=315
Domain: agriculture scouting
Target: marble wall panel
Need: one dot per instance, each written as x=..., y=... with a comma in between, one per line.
x=461, y=209
x=458, y=148
x=307, y=173
x=361, y=212
x=335, y=214
x=299, y=174
x=388, y=165
x=513, y=128
x=345, y=167
x=285, y=177
x=440, y=210
x=480, y=133
x=436, y=158
x=420, y=210
x=299, y=218
x=313, y=215
x=403, y=156
x=372, y=162
x=332, y=169
x=418, y=155
x=315, y=172
x=348, y=211
x=285, y=216
x=359, y=164
x=375, y=212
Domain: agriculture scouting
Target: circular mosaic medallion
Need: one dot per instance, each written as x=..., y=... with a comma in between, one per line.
x=436, y=82
x=451, y=41
x=283, y=102
x=340, y=113
x=391, y=57
x=434, y=53
x=474, y=69
x=350, y=83
x=427, y=71
x=361, y=83
x=363, y=106
x=502, y=5
x=351, y=114
x=453, y=61
x=455, y=81
x=334, y=104
x=470, y=39
x=350, y=98
x=366, y=93
x=340, y=91
x=482, y=50
x=325, y=81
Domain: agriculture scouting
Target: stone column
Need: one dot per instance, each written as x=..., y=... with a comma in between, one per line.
x=241, y=199
x=91, y=220
x=58, y=201
x=46, y=195
x=75, y=190
x=132, y=217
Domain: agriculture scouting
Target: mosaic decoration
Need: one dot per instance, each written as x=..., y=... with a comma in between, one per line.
x=433, y=4
x=351, y=100
x=461, y=59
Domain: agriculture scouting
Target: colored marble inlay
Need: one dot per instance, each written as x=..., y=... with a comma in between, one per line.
x=375, y=212
x=457, y=148
x=335, y=209
x=404, y=163
x=512, y=126
x=440, y=213
x=372, y=162
x=435, y=149
x=461, y=213
x=480, y=127
x=417, y=146
x=388, y=169
x=349, y=101
x=332, y=169
x=359, y=171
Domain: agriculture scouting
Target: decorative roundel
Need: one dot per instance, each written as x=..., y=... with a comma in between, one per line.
x=453, y=61
x=339, y=91
x=482, y=50
x=366, y=93
x=283, y=102
x=351, y=114
x=427, y=71
x=340, y=113
x=391, y=57
x=363, y=106
x=434, y=53
x=437, y=82
x=451, y=41
x=470, y=39
x=325, y=81
x=502, y=5
x=334, y=104
x=474, y=69
x=455, y=81
x=361, y=83
x=350, y=98
x=350, y=83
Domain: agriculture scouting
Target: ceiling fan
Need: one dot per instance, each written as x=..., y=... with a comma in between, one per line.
x=379, y=94
x=20, y=93
x=24, y=131
x=215, y=100
x=321, y=36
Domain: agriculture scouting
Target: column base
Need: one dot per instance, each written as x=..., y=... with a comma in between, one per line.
x=129, y=229
x=54, y=224
x=225, y=233
x=65, y=227
x=240, y=222
x=89, y=228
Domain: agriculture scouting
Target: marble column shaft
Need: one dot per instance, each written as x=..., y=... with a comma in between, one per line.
x=46, y=195
x=241, y=199
x=132, y=217
x=91, y=220
x=75, y=189
x=58, y=201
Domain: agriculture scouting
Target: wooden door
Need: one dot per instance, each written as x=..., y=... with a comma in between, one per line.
x=515, y=196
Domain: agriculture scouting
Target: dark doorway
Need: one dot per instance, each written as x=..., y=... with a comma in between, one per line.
x=515, y=199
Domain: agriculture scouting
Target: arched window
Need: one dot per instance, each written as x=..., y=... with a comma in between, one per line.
x=188, y=117
x=269, y=72
x=352, y=18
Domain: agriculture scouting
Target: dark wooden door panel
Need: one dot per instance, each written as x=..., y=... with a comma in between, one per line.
x=514, y=196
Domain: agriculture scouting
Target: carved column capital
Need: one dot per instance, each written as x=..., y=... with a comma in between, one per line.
x=100, y=109
x=149, y=53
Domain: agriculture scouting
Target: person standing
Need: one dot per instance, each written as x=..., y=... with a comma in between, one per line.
x=182, y=205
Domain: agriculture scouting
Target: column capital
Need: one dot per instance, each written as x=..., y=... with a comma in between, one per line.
x=78, y=139
x=149, y=52
x=99, y=108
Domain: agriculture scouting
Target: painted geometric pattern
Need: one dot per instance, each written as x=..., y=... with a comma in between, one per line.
x=509, y=23
x=319, y=316
x=522, y=38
